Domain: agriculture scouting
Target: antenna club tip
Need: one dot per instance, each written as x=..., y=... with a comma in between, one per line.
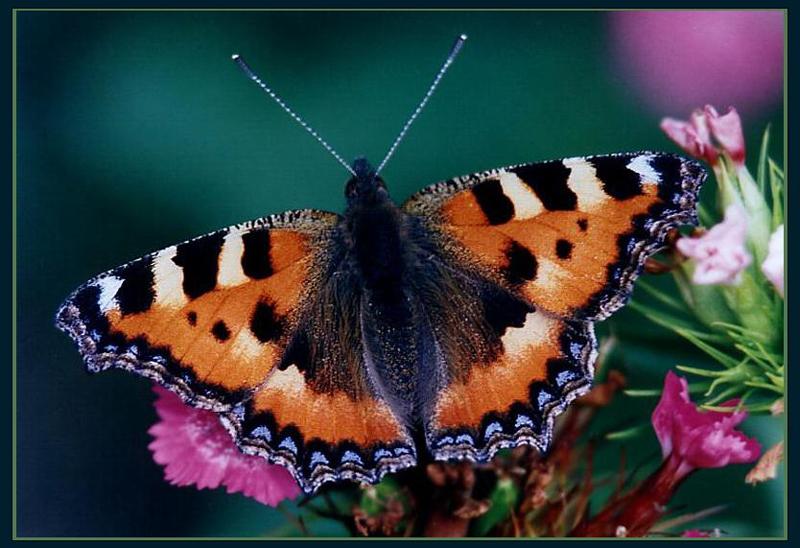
x=235, y=56
x=462, y=37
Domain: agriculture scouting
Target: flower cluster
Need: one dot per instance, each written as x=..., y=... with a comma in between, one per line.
x=720, y=253
x=730, y=274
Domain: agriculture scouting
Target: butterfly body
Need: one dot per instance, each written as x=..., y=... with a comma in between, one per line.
x=349, y=346
x=384, y=257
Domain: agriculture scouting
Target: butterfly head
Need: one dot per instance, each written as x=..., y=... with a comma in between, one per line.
x=365, y=187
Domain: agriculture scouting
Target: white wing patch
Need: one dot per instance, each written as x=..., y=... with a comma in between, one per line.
x=526, y=204
x=108, y=290
x=230, y=261
x=584, y=183
x=641, y=165
x=168, y=279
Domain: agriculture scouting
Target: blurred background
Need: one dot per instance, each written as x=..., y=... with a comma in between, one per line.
x=136, y=131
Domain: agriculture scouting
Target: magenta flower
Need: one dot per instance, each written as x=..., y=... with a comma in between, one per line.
x=694, y=136
x=772, y=267
x=678, y=59
x=196, y=450
x=691, y=438
x=720, y=254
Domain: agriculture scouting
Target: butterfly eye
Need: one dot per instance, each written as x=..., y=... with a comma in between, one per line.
x=350, y=189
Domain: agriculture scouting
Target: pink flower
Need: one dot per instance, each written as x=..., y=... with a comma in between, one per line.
x=678, y=59
x=727, y=130
x=720, y=253
x=692, y=439
x=772, y=267
x=692, y=136
x=196, y=450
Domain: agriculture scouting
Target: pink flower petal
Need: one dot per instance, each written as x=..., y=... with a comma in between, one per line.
x=772, y=267
x=720, y=254
x=727, y=130
x=195, y=449
x=693, y=136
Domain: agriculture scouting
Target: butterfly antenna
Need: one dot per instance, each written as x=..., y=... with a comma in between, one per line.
x=255, y=78
x=447, y=62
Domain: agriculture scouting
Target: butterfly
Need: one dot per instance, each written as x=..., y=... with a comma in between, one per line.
x=347, y=346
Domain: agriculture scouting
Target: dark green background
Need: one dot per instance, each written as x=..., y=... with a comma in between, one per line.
x=136, y=131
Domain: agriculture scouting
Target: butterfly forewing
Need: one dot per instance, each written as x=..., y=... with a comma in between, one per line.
x=246, y=322
x=568, y=235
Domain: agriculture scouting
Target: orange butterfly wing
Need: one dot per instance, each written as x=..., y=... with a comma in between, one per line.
x=235, y=322
x=567, y=238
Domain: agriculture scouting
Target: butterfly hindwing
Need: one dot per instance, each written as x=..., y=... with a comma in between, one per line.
x=540, y=251
x=246, y=322
x=513, y=399
x=505, y=368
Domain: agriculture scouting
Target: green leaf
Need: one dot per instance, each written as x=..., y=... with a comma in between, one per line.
x=375, y=497
x=752, y=303
x=759, y=221
x=694, y=388
x=775, y=360
x=674, y=324
x=642, y=392
x=719, y=408
x=727, y=185
x=706, y=217
x=503, y=502
x=721, y=357
x=754, y=356
x=777, y=380
x=765, y=386
x=761, y=174
x=662, y=297
x=776, y=184
x=711, y=373
x=722, y=396
x=759, y=408
x=706, y=301
x=627, y=434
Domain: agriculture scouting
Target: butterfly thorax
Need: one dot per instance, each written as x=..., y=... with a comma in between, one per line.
x=374, y=233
